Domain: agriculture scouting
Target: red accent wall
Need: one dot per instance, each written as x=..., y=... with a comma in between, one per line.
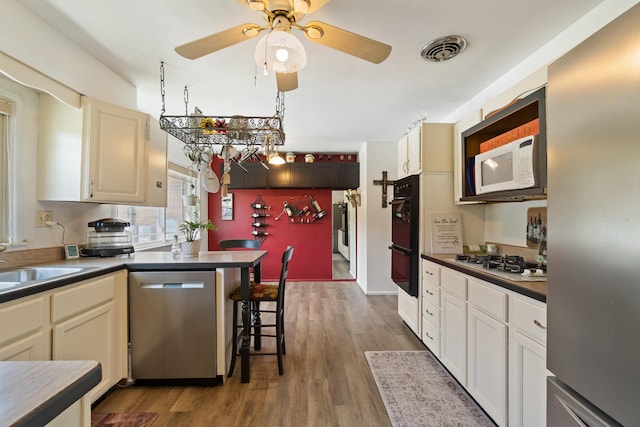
x=312, y=257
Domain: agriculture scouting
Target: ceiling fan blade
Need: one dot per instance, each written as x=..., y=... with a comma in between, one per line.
x=217, y=41
x=287, y=81
x=350, y=43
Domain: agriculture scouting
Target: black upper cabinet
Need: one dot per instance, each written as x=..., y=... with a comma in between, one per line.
x=254, y=177
x=329, y=175
x=291, y=175
x=337, y=176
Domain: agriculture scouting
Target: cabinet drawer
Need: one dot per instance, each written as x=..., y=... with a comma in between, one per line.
x=431, y=337
x=491, y=301
x=430, y=272
x=82, y=297
x=454, y=283
x=431, y=313
x=18, y=319
x=530, y=317
x=431, y=293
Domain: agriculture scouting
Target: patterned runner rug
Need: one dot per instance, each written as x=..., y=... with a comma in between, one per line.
x=144, y=419
x=418, y=391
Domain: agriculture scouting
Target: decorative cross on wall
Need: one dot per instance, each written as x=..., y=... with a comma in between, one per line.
x=384, y=182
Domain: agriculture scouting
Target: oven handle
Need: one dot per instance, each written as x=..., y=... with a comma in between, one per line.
x=405, y=251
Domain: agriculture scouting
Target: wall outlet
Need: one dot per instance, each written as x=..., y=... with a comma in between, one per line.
x=42, y=217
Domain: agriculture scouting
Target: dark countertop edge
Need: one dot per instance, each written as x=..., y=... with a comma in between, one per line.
x=498, y=281
x=56, y=283
x=122, y=263
x=59, y=402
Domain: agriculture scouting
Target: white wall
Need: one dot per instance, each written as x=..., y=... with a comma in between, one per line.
x=26, y=38
x=374, y=221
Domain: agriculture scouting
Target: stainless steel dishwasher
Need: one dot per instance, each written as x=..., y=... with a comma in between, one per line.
x=172, y=325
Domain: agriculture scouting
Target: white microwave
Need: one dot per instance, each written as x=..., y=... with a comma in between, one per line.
x=512, y=166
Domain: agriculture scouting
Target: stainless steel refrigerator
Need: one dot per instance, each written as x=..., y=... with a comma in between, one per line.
x=593, y=302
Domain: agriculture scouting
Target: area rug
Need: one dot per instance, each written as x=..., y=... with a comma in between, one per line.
x=143, y=419
x=418, y=391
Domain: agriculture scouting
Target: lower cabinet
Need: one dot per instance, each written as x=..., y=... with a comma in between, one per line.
x=87, y=325
x=487, y=364
x=453, y=339
x=492, y=340
x=24, y=329
x=527, y=364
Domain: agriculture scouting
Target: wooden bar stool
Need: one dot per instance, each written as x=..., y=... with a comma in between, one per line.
x=264, y=293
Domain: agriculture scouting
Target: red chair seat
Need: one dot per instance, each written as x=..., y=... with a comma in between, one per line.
x=259, y=292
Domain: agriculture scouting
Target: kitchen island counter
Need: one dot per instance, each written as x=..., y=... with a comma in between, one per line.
x=536, y=290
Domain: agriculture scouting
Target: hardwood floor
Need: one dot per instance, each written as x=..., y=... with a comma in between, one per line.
x=327, y=382
x=340, y=268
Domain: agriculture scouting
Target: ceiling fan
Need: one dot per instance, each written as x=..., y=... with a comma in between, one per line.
x=279, y=50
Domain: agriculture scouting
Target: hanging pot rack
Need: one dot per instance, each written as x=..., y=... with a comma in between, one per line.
x=197, y=130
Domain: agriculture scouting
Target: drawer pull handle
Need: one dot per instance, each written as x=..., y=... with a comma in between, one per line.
x=427, y=291
x=428, y=336
x=539, y=325
x=428, y=272
x=428, y=312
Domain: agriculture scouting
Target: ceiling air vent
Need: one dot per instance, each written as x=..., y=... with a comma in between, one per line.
x=443, y=48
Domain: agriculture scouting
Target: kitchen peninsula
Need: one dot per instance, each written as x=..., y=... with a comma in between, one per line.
x=83, y=315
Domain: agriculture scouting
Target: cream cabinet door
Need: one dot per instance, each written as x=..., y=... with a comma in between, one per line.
x=487, y=364
x=116, y=140
x=402, y=157
x=414, y=151
x=24, y=329
x=453, y=336
x=90, y=336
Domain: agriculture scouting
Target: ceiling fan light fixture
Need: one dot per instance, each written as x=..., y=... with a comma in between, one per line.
x=256, y=5
x=301, y=6
x=280, y=52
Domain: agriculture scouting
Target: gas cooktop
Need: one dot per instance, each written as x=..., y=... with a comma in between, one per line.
x=512, y=267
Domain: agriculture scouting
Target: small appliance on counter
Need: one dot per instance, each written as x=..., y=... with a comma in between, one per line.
x=109, y=238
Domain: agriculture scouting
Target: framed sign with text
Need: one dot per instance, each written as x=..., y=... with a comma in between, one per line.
x=446, y=233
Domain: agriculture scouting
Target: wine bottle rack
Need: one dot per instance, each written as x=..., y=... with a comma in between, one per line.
x=259, y=218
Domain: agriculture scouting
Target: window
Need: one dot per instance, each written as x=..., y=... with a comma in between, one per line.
x=6, y=109
x=151, y=226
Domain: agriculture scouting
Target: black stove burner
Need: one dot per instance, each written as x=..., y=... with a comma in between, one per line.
x=507, y=263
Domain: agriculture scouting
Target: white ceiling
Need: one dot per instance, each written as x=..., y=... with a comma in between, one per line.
x=342, y=101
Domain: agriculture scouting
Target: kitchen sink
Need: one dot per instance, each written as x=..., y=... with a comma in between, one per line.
x=15, y=277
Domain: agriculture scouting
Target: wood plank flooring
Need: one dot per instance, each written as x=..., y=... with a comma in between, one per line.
x=327, y=382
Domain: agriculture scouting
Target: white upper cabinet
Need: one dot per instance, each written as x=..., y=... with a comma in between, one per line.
x=427, y=148
x=99, y=153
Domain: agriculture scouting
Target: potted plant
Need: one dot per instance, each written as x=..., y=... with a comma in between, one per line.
x=191, y=230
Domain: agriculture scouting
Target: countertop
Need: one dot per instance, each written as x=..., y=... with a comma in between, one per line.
x=535, y=290
x=34, y=393
x=139, y=261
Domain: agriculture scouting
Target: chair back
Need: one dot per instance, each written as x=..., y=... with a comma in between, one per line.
x=240, y=244
x=286, y=257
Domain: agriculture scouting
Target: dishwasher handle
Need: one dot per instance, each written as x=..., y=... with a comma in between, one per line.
x=172, y=285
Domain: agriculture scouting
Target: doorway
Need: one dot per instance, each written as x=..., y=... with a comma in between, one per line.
x=343, y=233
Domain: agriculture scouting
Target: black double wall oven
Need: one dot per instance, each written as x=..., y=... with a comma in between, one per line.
x=405, y=233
